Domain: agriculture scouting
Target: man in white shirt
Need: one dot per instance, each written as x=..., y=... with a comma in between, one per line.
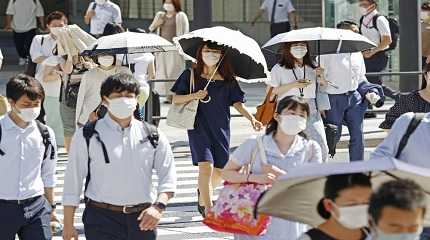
x=349, y=94
x=117, y=155
x=376, y=59
x=27, y=164
x=100, y=13
x=42, y=48
x=280, y=13
x=21, y=19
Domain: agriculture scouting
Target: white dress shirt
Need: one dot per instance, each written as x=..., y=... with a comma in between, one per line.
x=24, y=14
x=127, y=179
x=346, y=71
x=45, y=49
x=280, y=76
x=373, y=34
x=282, y=10
x=105, y=13
x=23, y=171
x=89, y=91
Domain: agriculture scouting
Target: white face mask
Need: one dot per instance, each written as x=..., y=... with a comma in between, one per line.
x=101, y=2
x=292, y=124
x=353, y=217
x=27, y=114
x=299, y=51
x=106, y=61
x=122, y=107
x=210, y=58
x=169, y=7
x=397, y=236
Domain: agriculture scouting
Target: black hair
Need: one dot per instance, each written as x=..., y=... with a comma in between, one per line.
x=23, y=84
x=56, y=15
x=424, y=80
x=346, y=25
x=402, y=194
x=336, y=184
x=290, y=102
x=112, y=28
x=119, y=82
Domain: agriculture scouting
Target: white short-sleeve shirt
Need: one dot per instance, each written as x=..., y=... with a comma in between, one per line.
x=280, y=76
x=373, y=34
x=105, y=13
x=24, y=14
x=282, y=9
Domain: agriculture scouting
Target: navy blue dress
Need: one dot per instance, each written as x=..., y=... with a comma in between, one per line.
x=210, y=138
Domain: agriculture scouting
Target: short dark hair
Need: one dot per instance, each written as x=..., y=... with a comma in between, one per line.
x=56, y=15
x=21, y=85
x=119, y=82
x=337, y=183
x=177, y=4
x=112, y=28
x=401, y=194
x=346, y=25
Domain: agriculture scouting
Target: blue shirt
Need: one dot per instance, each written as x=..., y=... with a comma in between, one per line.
x=417, y=150
x=23, y=171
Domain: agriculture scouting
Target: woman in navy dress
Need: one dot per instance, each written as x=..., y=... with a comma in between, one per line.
x=210, y=138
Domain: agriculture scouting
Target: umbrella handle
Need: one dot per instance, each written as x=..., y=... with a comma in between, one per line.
x=206, y=101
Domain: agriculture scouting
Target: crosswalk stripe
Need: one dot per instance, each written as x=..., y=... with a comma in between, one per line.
x=181, y=219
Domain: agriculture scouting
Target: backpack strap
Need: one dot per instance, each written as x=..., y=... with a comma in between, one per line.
x=375, y=21
x=1, y=151
x=151, y=133
x=413, y=125
x=360, y=23
x=47, y=141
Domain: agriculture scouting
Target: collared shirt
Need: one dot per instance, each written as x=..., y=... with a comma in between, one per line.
x=282, y=10
x=373, y=34
x=89, y=91
x=105, y=13
x=346, y=71
x=127, y=179
x=44, y=46
x=417, y=150
x=24, y=14
x=301, y=152
x=23, y=171
x=280, y=76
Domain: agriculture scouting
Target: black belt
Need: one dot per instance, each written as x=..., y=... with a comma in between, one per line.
x=123, y=209
x=20, y=202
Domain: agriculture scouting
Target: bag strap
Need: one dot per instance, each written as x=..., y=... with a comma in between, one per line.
x=1, y=151
x=152, y=134
x=413, y=125
x=192, y=83
x=88, y=132
x=375, y=21
x=47, y=142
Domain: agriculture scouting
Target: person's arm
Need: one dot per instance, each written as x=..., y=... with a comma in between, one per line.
x=164, y=166
x=89, y=14
x=40, y=14
x=240, y=107
x=157, y=22
x=67, y=66
x=117, y=17
x=10, y=11
x=316, y=156
x=48, y=173
x=260, y=13
x=75, y=173
x=287, y=87
x=151, y=70
x=385, y=35
x=36, y=50
x=294, y=19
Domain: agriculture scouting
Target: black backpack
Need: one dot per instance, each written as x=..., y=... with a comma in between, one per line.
x=89, y=130
x=47, y=142
x=413, y=125
x=394, y=29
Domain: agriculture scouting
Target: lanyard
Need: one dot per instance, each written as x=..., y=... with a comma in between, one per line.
x=304, y=77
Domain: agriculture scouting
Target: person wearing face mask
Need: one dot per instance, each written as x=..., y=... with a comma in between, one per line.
x=170, y=23
x=217, y=89
x=119, y=196
x=297, y=75
x=286, y=146
x=100, y=13
x=397, y=210
x=416, y=101
x=344, y=206
x=27, y=165
x=88, y=95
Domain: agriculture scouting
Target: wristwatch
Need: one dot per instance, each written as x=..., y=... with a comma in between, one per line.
x=160, y=205
x=53, y=206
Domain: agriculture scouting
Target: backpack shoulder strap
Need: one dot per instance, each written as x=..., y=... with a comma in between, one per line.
x=88, y=131
x=94, y=6
x=44, y=132
x=413, y=125
x=375, y=21
x=152, y=133
x=1, y=151
x=360, y=23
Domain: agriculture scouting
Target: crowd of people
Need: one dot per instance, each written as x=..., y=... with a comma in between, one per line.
x=93, y=107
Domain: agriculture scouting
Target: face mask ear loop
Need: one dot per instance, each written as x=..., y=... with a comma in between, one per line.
x=210, y=79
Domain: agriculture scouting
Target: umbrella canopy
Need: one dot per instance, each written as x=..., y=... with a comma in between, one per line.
x=324, y=40
x=244, y=52
x=72, y=40
x=129, y=43
x=296, y=196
